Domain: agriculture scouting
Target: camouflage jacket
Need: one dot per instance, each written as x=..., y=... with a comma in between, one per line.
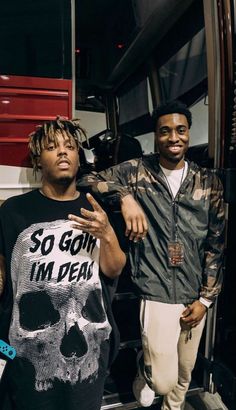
x=200, y=228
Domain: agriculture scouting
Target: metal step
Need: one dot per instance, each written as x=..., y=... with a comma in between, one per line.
x=118, y=387
x=196, y=399
x=124, y=401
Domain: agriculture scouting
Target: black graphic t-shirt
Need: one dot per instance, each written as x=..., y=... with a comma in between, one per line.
x=52, y=308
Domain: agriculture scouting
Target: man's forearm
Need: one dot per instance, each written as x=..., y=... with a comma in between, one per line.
x=112, y=258
x=109, y=185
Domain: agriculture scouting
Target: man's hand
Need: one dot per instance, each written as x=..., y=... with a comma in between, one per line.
x=193, y=314
x=135, y=220
x=94, y=222
x=112, y=258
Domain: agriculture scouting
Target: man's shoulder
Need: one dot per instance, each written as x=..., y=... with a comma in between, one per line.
x=139, y=166
x=213, y=176
x=151, y=159
x=204, y=170
x=17, y=200
x=130, y=163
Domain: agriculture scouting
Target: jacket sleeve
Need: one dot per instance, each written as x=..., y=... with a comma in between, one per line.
x=112, y=184
x=214, y=248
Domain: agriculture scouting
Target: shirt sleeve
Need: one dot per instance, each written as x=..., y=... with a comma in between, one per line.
x=205, y=302
x=214, y=248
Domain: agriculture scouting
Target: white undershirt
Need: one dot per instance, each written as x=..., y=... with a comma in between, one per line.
x=175, y=178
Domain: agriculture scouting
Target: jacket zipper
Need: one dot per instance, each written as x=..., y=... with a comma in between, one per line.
x=173, y=236
x=173, y=269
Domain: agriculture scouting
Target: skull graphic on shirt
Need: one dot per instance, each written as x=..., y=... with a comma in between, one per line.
x=57, y=327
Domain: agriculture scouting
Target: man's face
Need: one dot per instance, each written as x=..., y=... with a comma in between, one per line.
x=59, y=160
x=172, y=137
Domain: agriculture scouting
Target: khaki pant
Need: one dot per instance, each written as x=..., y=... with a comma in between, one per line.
x=169, y=352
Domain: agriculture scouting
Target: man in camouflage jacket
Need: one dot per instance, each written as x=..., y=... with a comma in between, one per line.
x=174, y=215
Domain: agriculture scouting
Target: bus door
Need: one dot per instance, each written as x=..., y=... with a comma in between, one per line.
x=151, y=52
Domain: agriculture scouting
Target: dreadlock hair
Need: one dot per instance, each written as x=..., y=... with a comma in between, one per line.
x=47, y=133
x=171, y=107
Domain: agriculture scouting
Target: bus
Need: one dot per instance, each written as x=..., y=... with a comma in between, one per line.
x=109, y=63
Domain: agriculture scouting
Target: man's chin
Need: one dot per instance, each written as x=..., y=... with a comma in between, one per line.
x=175, y=158
x=64, y=181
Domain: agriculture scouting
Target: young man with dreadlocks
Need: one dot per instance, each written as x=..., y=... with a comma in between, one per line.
x=177, y=267
x=53, y=241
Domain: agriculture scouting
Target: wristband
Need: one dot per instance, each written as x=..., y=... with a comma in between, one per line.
x=7, y=350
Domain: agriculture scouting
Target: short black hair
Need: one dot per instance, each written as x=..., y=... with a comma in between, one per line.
x=171, y=107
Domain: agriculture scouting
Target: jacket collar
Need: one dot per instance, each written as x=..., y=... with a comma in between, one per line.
x=151, y=161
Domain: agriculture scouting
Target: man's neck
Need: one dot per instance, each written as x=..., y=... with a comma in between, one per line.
x=60, y=192
x=171, y=165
